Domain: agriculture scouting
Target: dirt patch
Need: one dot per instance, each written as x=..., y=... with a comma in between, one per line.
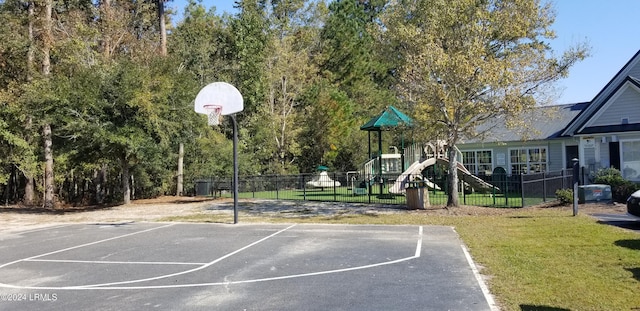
x=14, y=218
x=22, y=218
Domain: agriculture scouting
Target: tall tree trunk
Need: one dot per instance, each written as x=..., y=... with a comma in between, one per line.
x=47, y=38
x=48, y=167
x=105, y=19
x=29, y=188
x=163, y=28
x=126, y=188
x=46, y=128
x=100, y=180
x=179, y=188
x=452, y=182
x=30, y=57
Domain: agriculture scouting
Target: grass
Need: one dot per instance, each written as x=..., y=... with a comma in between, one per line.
x=343, y=194
x=536, y=259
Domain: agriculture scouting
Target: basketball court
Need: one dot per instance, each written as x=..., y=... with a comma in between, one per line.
x=178, y=266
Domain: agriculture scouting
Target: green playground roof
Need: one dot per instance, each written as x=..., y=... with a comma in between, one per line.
x=389, y=118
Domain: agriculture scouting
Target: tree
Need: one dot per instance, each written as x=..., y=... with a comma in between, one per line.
x=17, y=39
x=470, y=61
x=201, y=43
x=250, y=40
x=351, y=60
x=289, y=71
x=327, y=122
x=162, y=26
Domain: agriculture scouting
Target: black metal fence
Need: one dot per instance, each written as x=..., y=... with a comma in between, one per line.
x=497, y=191
x=541, y=187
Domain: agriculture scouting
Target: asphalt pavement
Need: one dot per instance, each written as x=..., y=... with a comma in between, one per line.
x=179, y=266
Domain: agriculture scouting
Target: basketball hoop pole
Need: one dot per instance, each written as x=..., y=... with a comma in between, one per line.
x=234, y=184
x=235, y=168
x=214, y=100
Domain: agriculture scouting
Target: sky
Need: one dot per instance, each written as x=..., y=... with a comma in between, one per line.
x=608, y=28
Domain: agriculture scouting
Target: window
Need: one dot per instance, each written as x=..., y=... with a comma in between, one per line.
x=478, y=162
x=630, y=160
x=528, y=160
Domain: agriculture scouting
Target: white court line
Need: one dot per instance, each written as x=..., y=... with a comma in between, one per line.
x=81, y=245
x=36, y=230
x=419, y=246
x=483, y=287
x=107, y=286
x=121, y=262
x=192, y=270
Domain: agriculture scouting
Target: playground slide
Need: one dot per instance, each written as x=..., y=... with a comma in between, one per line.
x=417, y=167
x=414, y=170
x=322, y=180
x=475, y=182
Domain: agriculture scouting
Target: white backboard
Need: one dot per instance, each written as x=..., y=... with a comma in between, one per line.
x=219, y=93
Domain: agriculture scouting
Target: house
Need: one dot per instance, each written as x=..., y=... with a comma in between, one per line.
x=602, y=133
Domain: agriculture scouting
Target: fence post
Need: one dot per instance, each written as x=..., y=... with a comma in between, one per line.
x=522, y=190
x=506, y=192
x=277, y=192
x=464, y=193
x=544, y=187
x=576, y=170
x=370, y=188
x=304, y=189
x=334, y=187
x=493, y=189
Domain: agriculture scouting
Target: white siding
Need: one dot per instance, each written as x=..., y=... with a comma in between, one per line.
x=635, y=70
x=505, y=153
x=605, y=161
x=556, y=162
x=555, y=152
x=626, y=104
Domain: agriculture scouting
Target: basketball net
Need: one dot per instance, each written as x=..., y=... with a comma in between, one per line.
x=214, y=114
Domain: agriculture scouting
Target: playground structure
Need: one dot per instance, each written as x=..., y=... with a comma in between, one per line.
x=322, y=180
x=429, y=155
x=417, y=167
x=384, y=169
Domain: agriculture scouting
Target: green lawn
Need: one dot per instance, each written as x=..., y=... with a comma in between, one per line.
x=536, y=259
x=344, y=194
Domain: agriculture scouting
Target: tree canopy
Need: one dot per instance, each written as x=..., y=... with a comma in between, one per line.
x=105, y=90
x=470, y=61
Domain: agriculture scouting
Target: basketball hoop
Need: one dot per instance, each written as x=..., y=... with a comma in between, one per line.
x=213, y=114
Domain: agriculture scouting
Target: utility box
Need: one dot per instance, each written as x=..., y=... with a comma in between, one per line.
x=204, y=187
x=417, y=195
x=594, y=193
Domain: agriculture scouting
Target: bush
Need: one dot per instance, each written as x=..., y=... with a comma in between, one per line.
x=622, y=192
x=565, y=196
x=609, y=176
x=621, y=188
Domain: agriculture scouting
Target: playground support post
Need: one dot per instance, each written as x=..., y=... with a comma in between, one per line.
x=380, y=161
